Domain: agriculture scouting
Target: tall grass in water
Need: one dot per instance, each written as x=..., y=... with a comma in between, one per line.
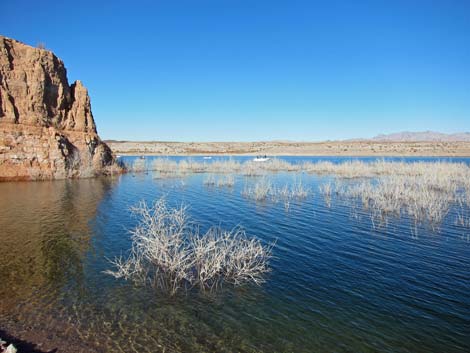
x=260, y=191
x=138, y=166
x=443, y=173
x=420, y=197
x=326, y=190
x=209, y=180
x=424, y=191
x=164, y=165
x=348, y=169
x=220, y=181
x=226, y=181
x=169, y=253
x=298, y=190
x=263, y=189
x=359, y=169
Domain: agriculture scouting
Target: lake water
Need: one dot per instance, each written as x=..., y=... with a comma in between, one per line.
x=336, y=285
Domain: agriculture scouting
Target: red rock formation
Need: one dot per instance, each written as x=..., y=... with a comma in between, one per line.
x=47, y=130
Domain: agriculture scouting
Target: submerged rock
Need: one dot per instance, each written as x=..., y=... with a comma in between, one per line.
x=7, y=349
x=11, y=349
x=47, y=130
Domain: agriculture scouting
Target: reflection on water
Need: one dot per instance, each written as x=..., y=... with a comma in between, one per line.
x=337, y=284
x=45, y=233
x=45, y=236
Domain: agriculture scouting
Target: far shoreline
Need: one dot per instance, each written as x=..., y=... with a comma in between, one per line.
x=307, y=149
x=289, y=155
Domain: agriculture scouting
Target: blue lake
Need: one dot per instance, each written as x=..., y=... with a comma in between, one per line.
x=337, y=284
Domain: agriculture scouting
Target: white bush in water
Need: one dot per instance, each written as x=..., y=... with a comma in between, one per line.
x=169, y=253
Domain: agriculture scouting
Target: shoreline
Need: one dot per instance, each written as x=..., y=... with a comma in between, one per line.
x=137, y=154
x=307, y=149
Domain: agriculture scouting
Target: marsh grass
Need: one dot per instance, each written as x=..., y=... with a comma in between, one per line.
x=423, y=191
x=219, y=181
x=326, y=190
x=138, y=166
x=299, y=190
x=169, y=253
x=348, y=169
x=209, y=180
x=263, y=189
x=423, y=199
x=462, y=218
x=226, y=181
x=260, y=191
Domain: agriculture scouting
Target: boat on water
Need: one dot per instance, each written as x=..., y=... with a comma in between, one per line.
x=207, y=157
x=261, y=158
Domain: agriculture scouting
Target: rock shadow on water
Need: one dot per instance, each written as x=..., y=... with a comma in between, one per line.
x=46, y=230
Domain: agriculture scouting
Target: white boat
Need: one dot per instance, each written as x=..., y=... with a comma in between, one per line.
x=207, y=157
x=260, y=159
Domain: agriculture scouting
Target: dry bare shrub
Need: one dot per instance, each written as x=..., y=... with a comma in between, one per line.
x=277, y=164
x=209, y=180
x=299, y=190
x=263, y=189
x=444, y=173
x=221, y=181
x=287, y=194
x=326, y=190
x=191, y=166
x=260, y=191
x=226, y=181
x=424, y=191
x=252, y=169
x=164, y=165
x=420, y=197
x=224, y=166
x=138, y=165
x=169, y=253
x=229, y=256
x=441, y=175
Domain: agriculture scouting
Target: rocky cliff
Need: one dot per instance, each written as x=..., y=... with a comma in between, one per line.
x=47, y=130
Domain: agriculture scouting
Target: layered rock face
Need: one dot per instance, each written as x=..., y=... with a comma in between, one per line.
x=47, y=130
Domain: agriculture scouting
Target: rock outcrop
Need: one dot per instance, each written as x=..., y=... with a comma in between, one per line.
x=47, y=130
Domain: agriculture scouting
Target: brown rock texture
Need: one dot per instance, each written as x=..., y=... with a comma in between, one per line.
x=47, y=130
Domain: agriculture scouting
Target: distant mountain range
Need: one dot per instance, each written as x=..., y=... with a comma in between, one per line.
x=406, y=136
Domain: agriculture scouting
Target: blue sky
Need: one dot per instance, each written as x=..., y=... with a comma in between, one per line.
x=259, y=70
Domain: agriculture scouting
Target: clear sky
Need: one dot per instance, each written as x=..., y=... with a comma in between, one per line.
x=259, y=69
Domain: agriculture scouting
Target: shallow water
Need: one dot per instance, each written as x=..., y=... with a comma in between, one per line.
x=337, y=284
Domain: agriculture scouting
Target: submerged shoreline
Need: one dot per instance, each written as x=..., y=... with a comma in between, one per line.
x=26, y=340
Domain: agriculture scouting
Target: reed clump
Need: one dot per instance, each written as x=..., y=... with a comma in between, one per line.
x=447, y=171
x=226, y=181
x=164, y=165
x=326, y=190
x=138, y=166
x=264, y=189
x=424, y=191
x=424, y=198
x=169, y=253
x=443, y=172
x=260, y=191
x=209, y=180
x=220, y=181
